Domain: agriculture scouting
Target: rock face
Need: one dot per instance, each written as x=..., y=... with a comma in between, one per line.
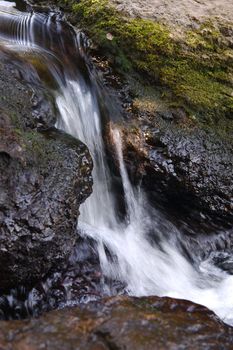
x=178, y=11
x=177, y=68
x=22, y=94
x=181, y=163
x=80, y=282
x=44, y=177
x=121, y=323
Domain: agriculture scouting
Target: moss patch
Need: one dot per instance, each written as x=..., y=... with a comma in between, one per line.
x=195, y=69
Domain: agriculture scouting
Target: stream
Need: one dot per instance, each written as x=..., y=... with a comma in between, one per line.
x=126, y=251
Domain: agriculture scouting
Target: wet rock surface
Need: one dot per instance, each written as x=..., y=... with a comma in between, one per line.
x=54, y=170
x=81, y=281
x=121, y=323
x=44, y=177
x=181, y=165
x=182, y=156
x=22, y=94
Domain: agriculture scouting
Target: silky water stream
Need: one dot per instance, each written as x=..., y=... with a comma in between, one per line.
x=142, y=250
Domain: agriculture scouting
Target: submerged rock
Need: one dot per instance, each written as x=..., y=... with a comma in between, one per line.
x=121, y=323
x=44, y=177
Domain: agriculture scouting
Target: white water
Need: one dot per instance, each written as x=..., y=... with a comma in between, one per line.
x=145, y=267
x=80, y=118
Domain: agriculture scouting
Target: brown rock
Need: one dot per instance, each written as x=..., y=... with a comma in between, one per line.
x=121, y=323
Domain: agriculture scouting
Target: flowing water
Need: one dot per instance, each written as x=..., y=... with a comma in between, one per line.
x=142, y=250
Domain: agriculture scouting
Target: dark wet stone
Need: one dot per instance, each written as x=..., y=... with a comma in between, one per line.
x=41, y=189
x=81, y=281
x=185, y=167
x=22, y=94
x=44, y=177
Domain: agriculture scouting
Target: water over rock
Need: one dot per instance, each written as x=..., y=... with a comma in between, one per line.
x=44, y=177
x=144, y=322
x=183, y=145
x=182, y=164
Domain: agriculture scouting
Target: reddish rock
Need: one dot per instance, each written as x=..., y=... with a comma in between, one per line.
x=121, y=323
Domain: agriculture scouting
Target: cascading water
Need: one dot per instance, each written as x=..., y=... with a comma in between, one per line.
x=80, y=117
x=144, y=247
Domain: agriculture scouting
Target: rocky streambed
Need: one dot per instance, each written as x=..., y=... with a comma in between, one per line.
x=177, y=144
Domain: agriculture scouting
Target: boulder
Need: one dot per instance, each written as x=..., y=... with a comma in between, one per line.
x=182, y=165
x=22, y=94
x=121, y=323
x=44, y=177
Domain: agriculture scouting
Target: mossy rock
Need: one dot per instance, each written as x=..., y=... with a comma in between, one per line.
x=194, y=69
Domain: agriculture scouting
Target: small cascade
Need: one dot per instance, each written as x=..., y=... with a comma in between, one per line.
x=80, y=117
x=142, y=250
x=133, y=209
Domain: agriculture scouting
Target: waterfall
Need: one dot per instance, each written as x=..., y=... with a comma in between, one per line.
x=80, y=117
x=146, y=266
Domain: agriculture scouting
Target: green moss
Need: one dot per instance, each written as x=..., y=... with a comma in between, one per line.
x=197, y=87
x=15, y=120
x=132, y=40
x=36, y=147
x=207, y=37
x=194, y=70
